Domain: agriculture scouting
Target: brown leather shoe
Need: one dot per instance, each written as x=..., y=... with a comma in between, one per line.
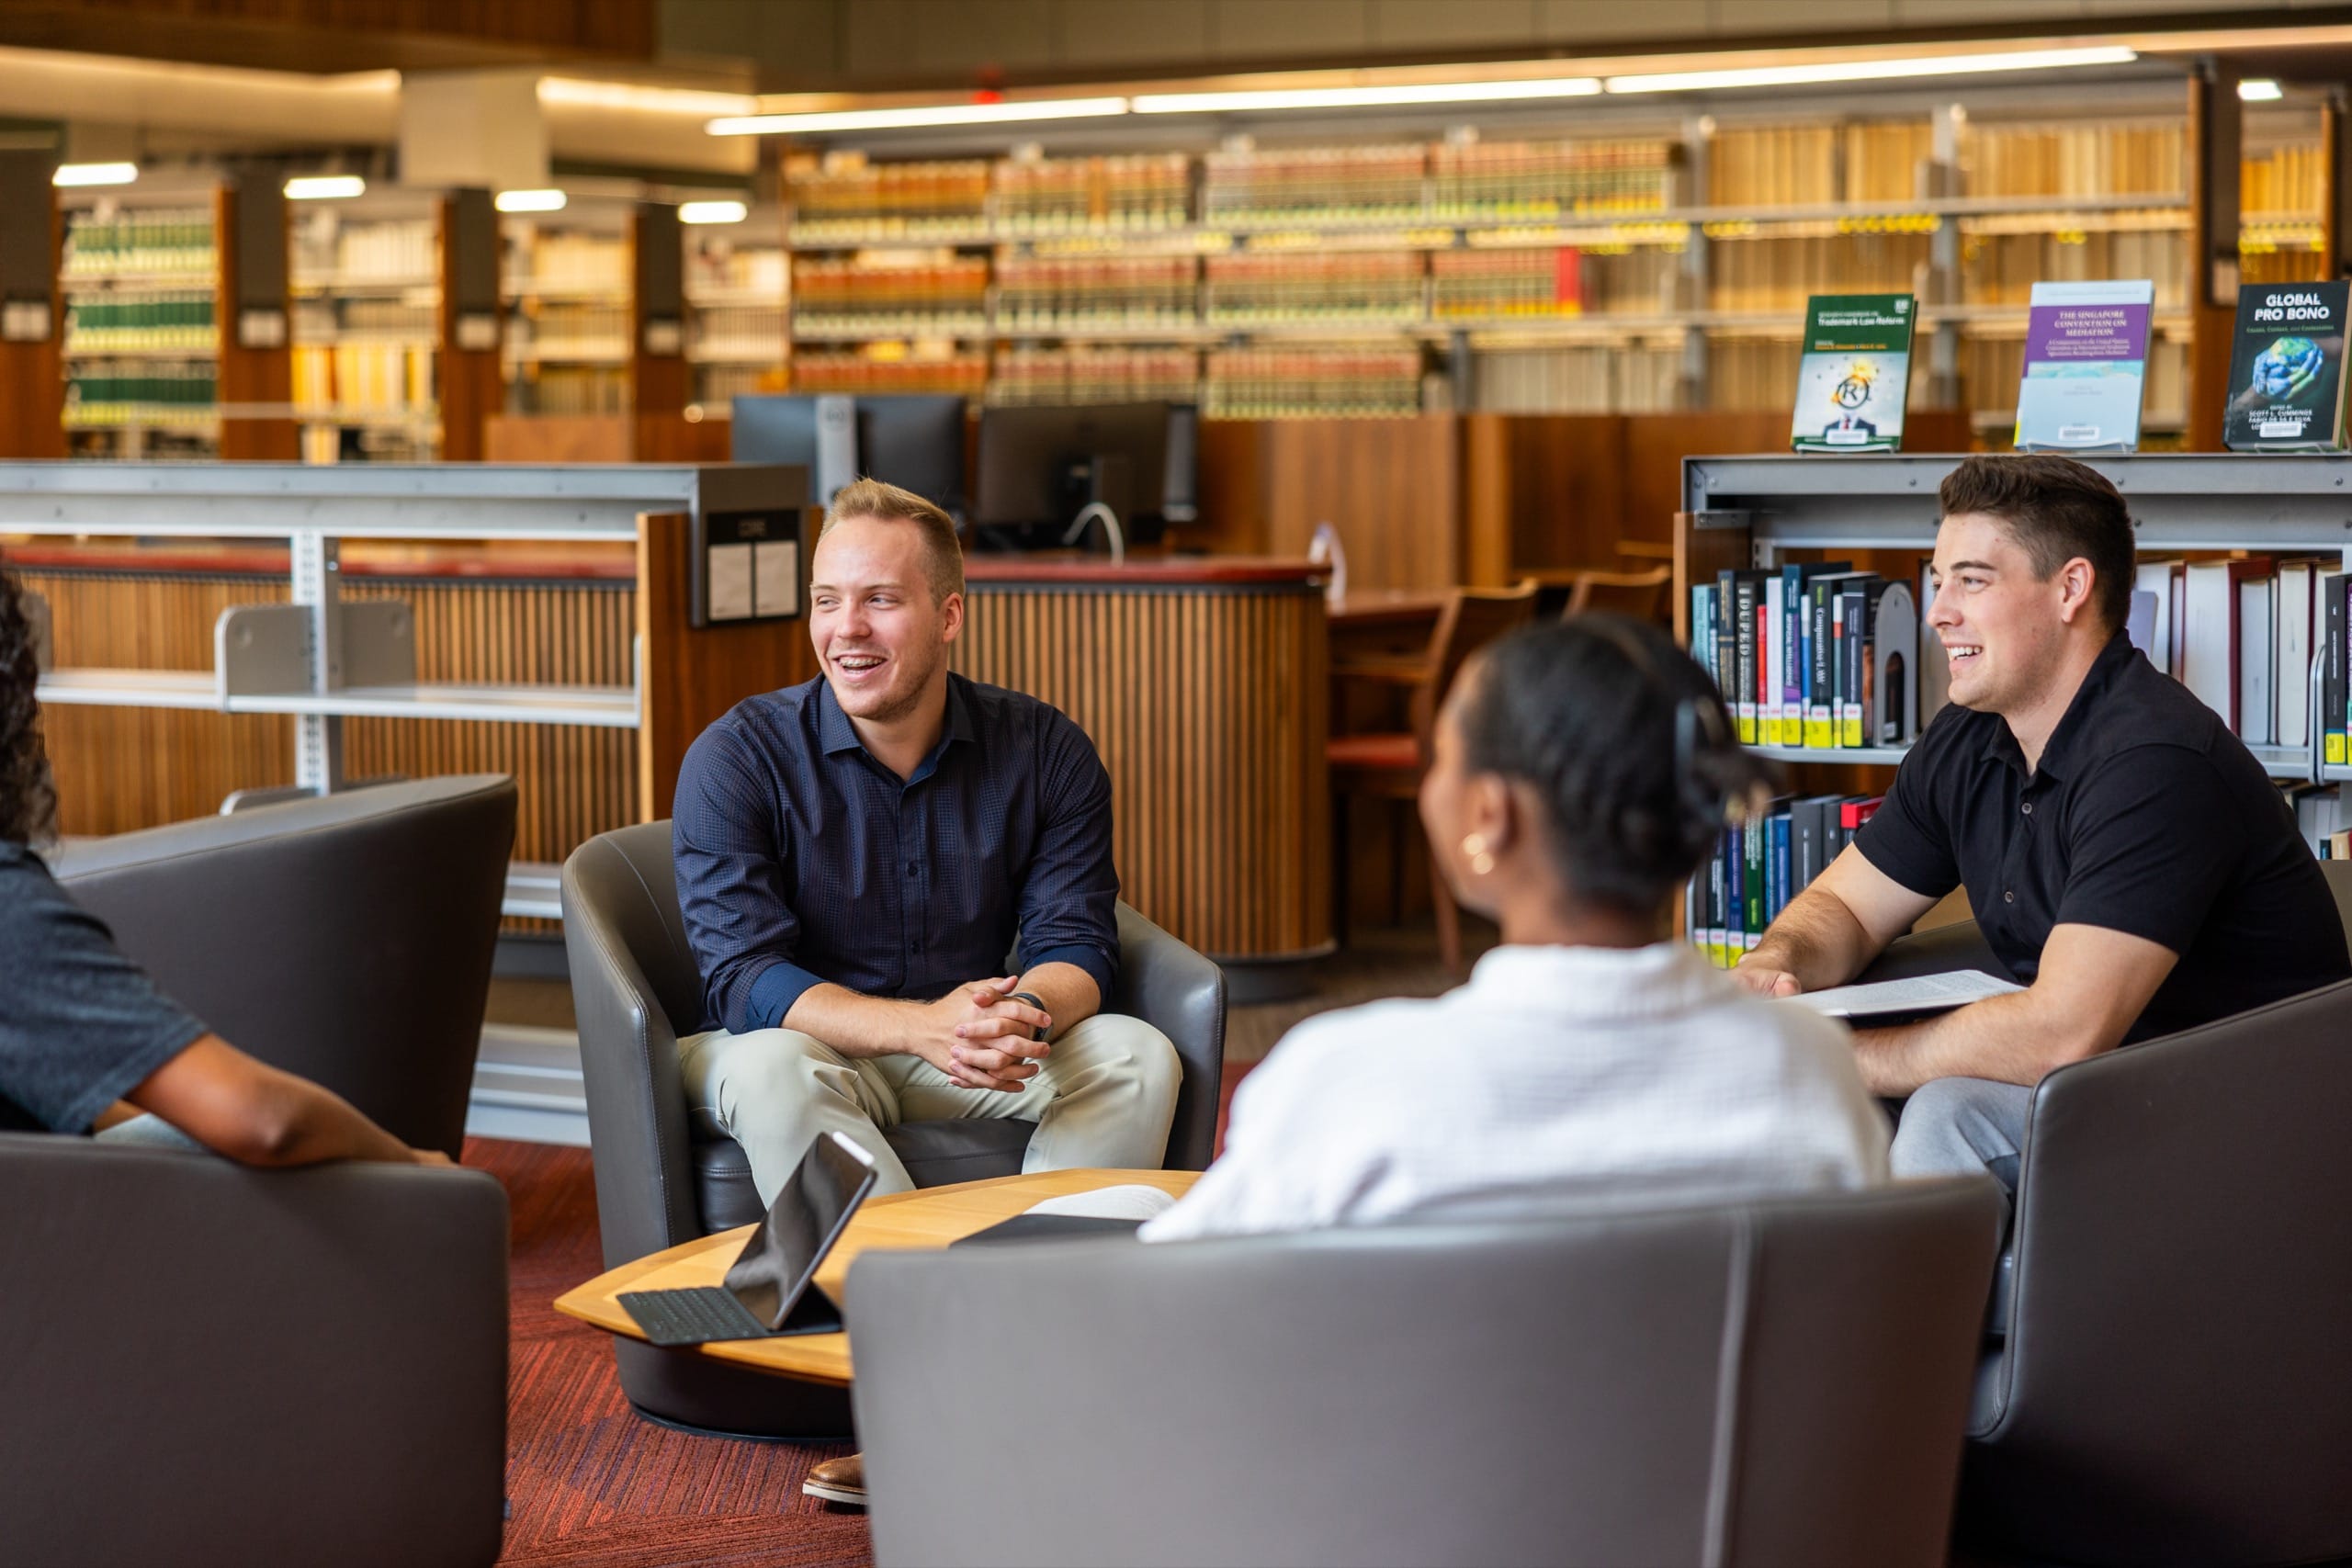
x=839, y=1481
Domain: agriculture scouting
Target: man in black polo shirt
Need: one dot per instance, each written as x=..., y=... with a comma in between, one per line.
x=2127, y=858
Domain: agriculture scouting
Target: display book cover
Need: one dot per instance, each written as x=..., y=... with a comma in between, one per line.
x=2287, y=368
x=2086, y=358
x=1853, y=374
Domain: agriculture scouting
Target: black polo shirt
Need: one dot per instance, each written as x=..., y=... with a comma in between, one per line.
x=2146, y=815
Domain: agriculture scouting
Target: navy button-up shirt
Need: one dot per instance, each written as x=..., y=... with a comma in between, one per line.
x=801, y=859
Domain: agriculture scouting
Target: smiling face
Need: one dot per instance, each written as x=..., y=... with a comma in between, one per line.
x=880, y=633
x=2005, y=629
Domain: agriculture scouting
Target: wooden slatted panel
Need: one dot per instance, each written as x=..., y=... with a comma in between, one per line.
x=121, y=769
x=1209, y=711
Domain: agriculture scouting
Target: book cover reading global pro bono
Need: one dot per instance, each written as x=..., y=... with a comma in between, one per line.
x=2287, y=368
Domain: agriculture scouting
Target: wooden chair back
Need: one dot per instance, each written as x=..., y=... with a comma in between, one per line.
x=1472, y=618
x=1641, y=594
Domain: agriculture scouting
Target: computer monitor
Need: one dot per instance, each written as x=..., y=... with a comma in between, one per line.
x=1040, y=466
x=915, y=443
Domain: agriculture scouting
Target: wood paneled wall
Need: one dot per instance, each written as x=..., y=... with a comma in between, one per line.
x=1390, y=487
x=1209, y=708
x=33, y=375
x=249, y=374
x=121, y=769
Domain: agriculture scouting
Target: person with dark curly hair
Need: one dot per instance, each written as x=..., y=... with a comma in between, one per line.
x=1583, y=770
x=87, y=1041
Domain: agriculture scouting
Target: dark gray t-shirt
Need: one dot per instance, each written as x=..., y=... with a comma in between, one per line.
x=80, y=1025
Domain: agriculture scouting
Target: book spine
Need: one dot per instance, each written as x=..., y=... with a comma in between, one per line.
x=1817, y=727
x=1751, y=923
x=1726, y=679
x=1734, y=896
x=1744, y=657
x=1793, y=678
x=2333, y=719
x=1849, y=710
x=1767, y=700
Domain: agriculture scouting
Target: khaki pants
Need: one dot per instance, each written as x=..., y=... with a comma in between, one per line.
x=1105, y=1096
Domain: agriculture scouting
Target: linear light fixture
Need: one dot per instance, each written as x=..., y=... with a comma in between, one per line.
x=2259, y=90
x=1368, y=97
x=691, y=101
x=1871, y=70
x=917, y=116
x=94, y=175
x=529, y=201
x=712, y=212
x=324, y=187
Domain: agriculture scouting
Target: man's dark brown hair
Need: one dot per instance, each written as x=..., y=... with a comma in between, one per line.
x=2056, y=508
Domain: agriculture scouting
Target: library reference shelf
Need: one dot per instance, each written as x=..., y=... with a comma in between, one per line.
x=1633, y=268
x=1760, y=512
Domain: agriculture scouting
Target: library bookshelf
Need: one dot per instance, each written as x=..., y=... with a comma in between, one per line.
x=1764, y=511
x=1592, y=267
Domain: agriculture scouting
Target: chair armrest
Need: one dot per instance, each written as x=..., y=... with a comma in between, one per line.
x=202, y=1361
x=1182, y=994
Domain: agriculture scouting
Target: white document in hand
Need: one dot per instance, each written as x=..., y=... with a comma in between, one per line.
x=1924, y=993
x=1130, y=1203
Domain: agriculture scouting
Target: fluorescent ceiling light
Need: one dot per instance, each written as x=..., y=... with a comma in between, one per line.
x=1367, y=98
x=918, y=116
x=656, y=100
x=324, y=187
x=712, y=212
x=530, y=201
x=2259, y=89
x=1870, y=70
x=95, y=174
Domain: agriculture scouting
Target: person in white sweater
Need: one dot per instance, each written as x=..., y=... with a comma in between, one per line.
x=1582, y=770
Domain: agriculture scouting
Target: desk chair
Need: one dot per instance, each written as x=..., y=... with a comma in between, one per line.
x=1776, y=1382
x=1388, y=766
x=2171, y=1386
x=663, y=1177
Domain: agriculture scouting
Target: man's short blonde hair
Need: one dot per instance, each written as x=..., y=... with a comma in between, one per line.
x=943, y=552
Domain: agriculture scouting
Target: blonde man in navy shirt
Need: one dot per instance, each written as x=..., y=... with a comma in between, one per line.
x=857, y=855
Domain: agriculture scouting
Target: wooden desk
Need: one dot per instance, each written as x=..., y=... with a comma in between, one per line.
x=927, y=1219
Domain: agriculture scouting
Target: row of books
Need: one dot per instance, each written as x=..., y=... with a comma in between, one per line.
x=155, y=241
x=1760, y=866
x=1314, y=285
x=1818, y=655
x=2241, y=635
x=848, y=197
x=2149, y=159
x=362, y=376
x=2001, y=269
x=1066, y=375
x=944, y=284
x=1519, y=180
x=1506, y=283
x=2285, y=179
x=1273, y=383
x=719, y=263
x=572, y=388
x=94, y=398
x=179, y=319
x=1280, y=185
x=966, y=372
x=1046, y=294
x=566, y=261
x=1047, y=195
x=736, y=331
x=1634, y=378
x=391, y=249
x=566, y=326
x=1766, y=275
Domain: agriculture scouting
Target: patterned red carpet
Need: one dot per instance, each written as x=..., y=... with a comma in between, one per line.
x=590, y=1485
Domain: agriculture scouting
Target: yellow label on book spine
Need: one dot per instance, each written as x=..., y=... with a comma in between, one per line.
x=2335, y=747
x=1850, y=731
x=1817, y=734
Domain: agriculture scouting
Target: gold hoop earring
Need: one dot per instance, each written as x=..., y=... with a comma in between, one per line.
x=1475, y=848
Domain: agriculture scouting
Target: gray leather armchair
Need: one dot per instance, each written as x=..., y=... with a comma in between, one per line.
x=208, y=1365
x=1780, y=1382
x=665, y=1177
x=347, y=939
x=2171, y=1385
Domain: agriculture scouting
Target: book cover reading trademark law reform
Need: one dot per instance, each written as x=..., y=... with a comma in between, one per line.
x=1854, y=373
